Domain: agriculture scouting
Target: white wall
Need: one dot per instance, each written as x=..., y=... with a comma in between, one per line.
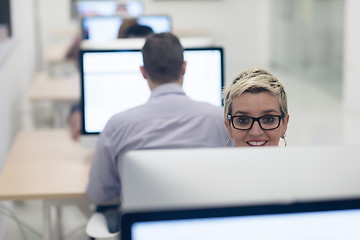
x=55, y=21
x=351, y=78
x=15, y=73
x=241, y=26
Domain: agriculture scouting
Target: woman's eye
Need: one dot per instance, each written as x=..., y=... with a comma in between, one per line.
x=268, y=119
x=243, y=120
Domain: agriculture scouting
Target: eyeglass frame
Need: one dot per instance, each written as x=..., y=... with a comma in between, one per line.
x=255, y=119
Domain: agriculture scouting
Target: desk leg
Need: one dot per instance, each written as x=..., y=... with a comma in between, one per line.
x=52, y=223
x=46, y=220
x=48, y=231
x=58, y=228
x=61, y=113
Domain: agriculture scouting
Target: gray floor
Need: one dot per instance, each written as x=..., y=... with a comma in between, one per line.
x=30, y=215
x=316, y=118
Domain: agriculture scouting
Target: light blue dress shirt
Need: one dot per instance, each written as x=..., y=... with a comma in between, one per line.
x=170, y=119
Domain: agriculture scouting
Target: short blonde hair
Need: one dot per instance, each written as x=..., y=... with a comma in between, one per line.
x=254, y=81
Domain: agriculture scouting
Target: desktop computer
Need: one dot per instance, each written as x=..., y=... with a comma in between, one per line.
x=111, y=82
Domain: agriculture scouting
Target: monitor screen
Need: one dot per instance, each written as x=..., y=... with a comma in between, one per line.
x=111, y=82
x=133, y=8
x=106, y=28
x=312, y=220
x=158, y=23
x=101, y=28
x=97, y=8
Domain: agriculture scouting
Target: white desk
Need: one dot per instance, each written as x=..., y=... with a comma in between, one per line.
x=46, y=88
x=46, y=165
x=59, y=93
x=138, y=43
x=55, y=57
x=56, y=53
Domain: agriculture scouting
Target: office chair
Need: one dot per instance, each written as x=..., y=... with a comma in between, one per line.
x=97, y=228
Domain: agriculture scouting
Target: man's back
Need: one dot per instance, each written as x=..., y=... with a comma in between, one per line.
x=168, y=120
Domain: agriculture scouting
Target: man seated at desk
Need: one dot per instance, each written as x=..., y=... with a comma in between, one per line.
x=170, y=119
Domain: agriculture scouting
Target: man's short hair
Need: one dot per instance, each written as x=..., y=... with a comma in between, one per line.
x=163, y=57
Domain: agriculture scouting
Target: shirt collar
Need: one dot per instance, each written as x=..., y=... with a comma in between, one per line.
x=167, y=88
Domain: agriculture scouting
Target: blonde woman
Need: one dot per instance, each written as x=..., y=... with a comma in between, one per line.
x=255, y=107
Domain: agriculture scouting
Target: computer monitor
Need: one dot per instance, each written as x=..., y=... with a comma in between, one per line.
x=102, y=28
x=134, y=8
x=311, y=220
x=158, y=23
x=96, y=7
x=111, y=82
x=106, y=28
x=192, y=178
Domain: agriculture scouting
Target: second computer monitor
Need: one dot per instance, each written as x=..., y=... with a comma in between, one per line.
x=106, y=28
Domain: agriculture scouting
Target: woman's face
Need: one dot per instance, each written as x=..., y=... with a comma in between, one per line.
x=256, y=105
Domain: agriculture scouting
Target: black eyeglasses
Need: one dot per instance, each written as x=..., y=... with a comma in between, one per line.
x=266, y=122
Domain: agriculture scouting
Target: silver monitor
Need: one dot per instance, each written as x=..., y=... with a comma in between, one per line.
x=188, y=178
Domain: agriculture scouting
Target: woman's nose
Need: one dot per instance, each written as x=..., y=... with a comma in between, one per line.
x=256, y=129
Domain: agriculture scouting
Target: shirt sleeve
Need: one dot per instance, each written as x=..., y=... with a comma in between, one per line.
x=104, y=183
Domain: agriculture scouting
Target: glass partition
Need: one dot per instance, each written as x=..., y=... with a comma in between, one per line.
x=307, y=40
